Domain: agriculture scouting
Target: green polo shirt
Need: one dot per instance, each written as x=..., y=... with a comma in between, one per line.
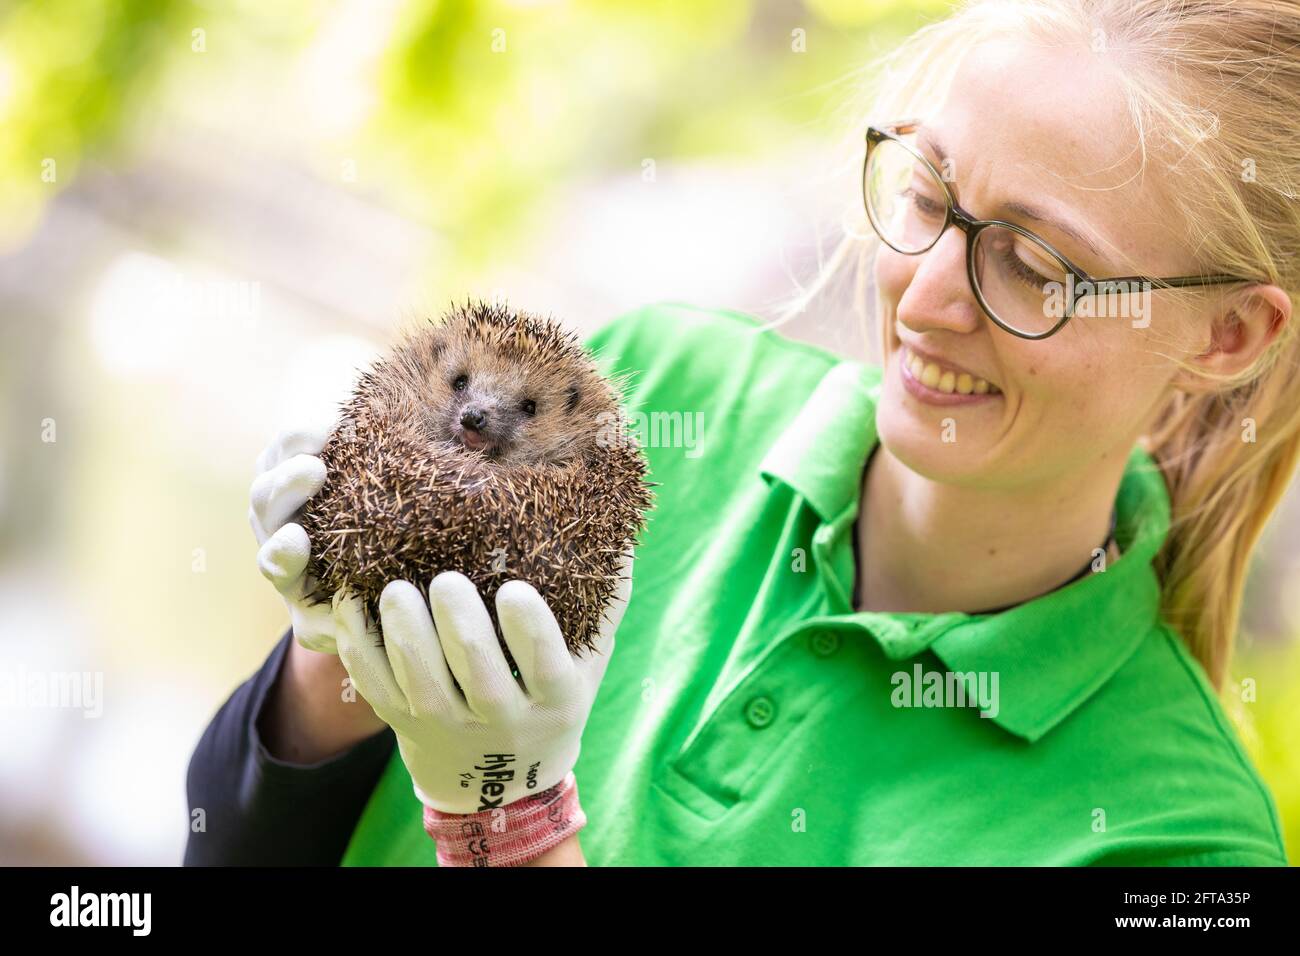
x=749, y=716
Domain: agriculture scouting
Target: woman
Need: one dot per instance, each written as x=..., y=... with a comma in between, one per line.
x=971, y=606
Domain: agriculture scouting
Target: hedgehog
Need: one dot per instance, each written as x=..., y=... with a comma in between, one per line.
x=486, y=442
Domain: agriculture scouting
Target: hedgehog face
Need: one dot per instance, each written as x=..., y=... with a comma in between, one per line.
x=508, y=409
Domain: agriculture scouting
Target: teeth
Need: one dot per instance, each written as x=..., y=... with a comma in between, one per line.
x=930, y=376
x=947, y=380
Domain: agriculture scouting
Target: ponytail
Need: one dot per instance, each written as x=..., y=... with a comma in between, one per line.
x=1227, y=458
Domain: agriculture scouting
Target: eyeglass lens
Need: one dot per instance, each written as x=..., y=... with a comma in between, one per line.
x=1021, y=281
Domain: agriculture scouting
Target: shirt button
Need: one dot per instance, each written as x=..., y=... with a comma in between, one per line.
x=760, y=712
x=825, y=643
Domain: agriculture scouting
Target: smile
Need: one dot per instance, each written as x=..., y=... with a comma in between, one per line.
x=935, y=383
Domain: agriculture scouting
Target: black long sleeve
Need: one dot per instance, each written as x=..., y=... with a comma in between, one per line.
x=261, y=811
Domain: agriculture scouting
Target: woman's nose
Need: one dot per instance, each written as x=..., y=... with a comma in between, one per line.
x=938, y=295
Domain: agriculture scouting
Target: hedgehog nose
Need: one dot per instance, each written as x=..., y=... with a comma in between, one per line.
x=473, y=418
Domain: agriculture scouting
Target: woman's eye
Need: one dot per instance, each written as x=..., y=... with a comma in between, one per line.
x=1023, y=271
x=460, y=383
x=529, y=406
x=924, y=204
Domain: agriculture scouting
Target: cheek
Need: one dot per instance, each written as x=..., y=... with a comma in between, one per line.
x=1058, y=384
x=1088, y=394
x=893, y=271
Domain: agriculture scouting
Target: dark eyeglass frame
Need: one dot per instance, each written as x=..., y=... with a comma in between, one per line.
x=963, y=220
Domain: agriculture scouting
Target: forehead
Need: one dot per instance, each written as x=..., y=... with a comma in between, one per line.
x=1049, y=128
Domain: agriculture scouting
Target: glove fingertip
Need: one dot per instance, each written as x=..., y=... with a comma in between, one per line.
x=518, y=595
x=312, y=470
x=285, y=555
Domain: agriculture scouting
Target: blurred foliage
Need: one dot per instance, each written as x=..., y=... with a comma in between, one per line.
x=538, y=93
x=69, y=71
x=531, y=93
x=1271, y=729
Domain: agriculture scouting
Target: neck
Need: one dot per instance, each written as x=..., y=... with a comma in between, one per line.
x=932, y=547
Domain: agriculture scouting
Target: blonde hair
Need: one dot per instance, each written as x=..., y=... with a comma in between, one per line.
x=1213, y=86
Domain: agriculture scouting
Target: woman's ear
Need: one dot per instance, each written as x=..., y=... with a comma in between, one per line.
x=1243, y=325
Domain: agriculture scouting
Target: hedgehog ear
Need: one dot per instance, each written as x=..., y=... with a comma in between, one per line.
x=575, y=394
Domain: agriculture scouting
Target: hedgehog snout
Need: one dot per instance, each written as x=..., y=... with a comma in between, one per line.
x=483, y=429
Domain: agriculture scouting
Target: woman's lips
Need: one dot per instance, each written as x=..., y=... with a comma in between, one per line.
x=977, y=389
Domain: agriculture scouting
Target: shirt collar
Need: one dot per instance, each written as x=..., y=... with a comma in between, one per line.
x=820, y=454
x=1051, y=653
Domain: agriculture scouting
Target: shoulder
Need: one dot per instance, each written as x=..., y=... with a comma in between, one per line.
x=1245, y=776
x=1205, y=803
x=681, y=346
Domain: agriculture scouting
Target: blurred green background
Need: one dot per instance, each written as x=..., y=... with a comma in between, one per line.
x=212, y=213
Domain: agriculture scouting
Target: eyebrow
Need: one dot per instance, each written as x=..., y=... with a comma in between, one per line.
x=1013, y=206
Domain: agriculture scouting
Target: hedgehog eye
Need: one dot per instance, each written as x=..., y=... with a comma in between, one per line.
x=529, y=406
x=460, y=383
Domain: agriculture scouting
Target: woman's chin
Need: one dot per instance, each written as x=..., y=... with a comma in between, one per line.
x=933, y=442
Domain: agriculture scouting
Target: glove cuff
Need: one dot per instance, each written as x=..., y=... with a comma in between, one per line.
x=515, y=834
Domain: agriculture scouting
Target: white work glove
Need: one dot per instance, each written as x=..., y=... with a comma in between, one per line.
x=289, y=472
x=496, y=742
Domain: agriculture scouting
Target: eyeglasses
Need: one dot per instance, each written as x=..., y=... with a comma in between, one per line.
x=1021, y=282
